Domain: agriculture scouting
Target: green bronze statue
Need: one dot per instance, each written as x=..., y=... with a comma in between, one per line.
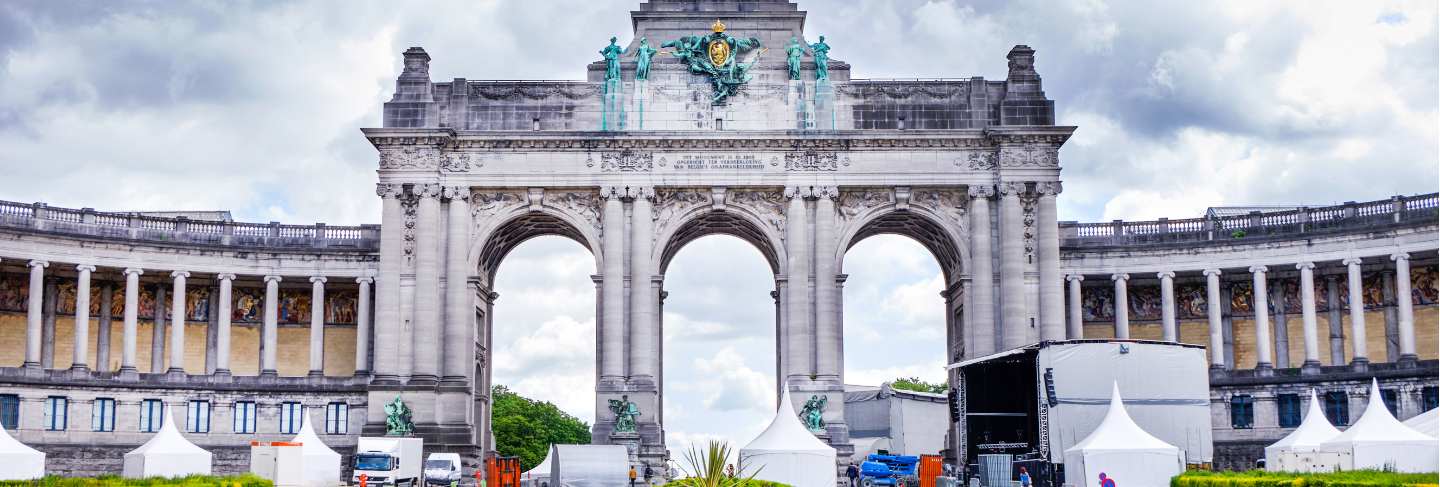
x=643, y=53
x=626, y=413
x=821, y=52
x=397, y=419
x=793, y=52
x=717, y=56
x=612, y=55
x=813, y=413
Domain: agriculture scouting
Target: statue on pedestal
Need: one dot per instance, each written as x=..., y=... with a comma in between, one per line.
x=821, y=51
x=626, y=413
x=612, y=55
x=397, y=419
x=813, y=413
x=793, y=52
x=643, y=53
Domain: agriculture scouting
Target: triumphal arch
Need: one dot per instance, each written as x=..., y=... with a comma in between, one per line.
x=717, y=117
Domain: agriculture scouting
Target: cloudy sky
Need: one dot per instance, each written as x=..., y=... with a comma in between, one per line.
x=255, y=107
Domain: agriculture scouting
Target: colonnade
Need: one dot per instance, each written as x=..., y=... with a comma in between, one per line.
x=1257, y=275
x=1017, y=324
x=174, y=362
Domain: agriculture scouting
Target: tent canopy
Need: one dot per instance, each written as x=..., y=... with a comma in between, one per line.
x=322, y=464
x=1117, y=432
x=788, y=453
x=1380, y=441
x=17, y=461
x=1120, y=449
x=1427, y=422
x=1313, y=430
x=167, y=454
x=1377, y=425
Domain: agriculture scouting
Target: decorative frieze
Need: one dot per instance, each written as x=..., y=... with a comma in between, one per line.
x=461, y=162
x=409, y=157
x=1029, y=156
x=853, y=203
x=812, y=160
x=624, y=161
x=981, y=160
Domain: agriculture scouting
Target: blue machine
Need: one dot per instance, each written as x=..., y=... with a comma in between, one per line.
x=889, y=470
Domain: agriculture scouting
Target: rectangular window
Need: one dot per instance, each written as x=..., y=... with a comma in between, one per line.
x=244, y=417
x=1289, y=409
x=197, y=417
x=1337, y=408
x=102, y=415
x=152, y=415
x=57, y=413
x=337, y=418
x=1242, y=412
x=1429, y=398
x=291, y=413
x=10, y=411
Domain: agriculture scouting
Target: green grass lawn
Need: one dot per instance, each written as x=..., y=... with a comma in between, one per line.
x=246, y=480
x=1261, y=478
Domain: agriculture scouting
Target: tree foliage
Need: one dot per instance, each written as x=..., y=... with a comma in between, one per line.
x=917, y=385
x=526, y=428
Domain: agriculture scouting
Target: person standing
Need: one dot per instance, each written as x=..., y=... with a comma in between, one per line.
x=648, y=474
x=1024, y=477
x=852, y=473
x=632, y=476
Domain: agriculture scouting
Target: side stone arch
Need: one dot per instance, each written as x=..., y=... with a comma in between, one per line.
x=506, y=218
x=755, y=216
x=936, y=218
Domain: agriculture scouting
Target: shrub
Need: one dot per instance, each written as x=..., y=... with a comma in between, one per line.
x=1261, y=478
x=246, y=480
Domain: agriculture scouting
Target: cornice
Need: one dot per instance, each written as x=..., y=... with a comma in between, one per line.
x=838, y=140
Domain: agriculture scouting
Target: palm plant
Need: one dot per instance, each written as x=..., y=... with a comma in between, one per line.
x=707, y=468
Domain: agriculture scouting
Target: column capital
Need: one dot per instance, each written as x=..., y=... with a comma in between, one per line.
x=365, y=280
x=180, y=274
x=1258, y=269
x=387, y=190
x=1352, y=261
x=461, y=193
x=827, y=192
x=318, y=279
x=612, y=192
x=797, y=192
x=1211, y=272
x=1048, y=188
x=1165, y=275
x=982, y=191
x=1305, y=265
x=39, y=263
x=134, y=270
x=85, y=268
x=1399, y=256
x=1120, y=276
x=1012, y=188
x=275, y=279
x=427, y=190
x=640, y=192
x=225, y=277
x=1075, y=277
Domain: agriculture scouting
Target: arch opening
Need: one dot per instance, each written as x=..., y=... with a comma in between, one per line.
x=515, y=231
x=710, y=222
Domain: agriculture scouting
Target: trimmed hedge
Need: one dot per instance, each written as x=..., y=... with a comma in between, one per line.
x=1261, y=478
x=247, y=480
x=738, y=483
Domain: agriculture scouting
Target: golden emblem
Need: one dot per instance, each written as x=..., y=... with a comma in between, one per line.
x=718, y=26
x=719, y=52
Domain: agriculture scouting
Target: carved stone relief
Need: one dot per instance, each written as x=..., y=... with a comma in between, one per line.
x=1029, y=156
x=977, y=160
x=812, y=160
x=485, y=204
x=853, y=203
x=949, y=203
x=586, y=204
x=624, y=161
x=769, y=205
x=409, y=157
x=1027, y=208
x=411, y=215
x=672, y=202
x=461, y=162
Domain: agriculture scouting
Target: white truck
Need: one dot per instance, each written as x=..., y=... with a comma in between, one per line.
x=388, y=461
x=442, y=469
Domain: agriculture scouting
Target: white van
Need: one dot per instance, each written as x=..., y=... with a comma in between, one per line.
x=442, y=469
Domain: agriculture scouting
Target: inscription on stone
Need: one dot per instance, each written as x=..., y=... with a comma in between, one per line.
x=718, y=162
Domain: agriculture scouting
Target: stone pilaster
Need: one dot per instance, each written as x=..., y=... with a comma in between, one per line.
x=425, y=368
x=1076, y=329
x=1307, y=316
x=459, y=302
x=102, y=333
x=829, y=348
x=1122, y=305
x=1047, y=236
x=317, y=326
x=612, y=287
x=1168, y=329
x=1013, y=319
x=1261, y=306
x=157, y=333
x=982, y=274
x=1337, y=329
x=1359, y=357
x=81, y=360
x=644, y=337
x=387, y=288
x=797, y=285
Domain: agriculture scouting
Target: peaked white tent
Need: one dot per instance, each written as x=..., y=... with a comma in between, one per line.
x=788, y=453
x=322, y=465
x=1119, y=449
x=167, y=454
x=1427, y=422
x=541, y=472
x=17, y=461
x=1379, y=441
x=1300, y=450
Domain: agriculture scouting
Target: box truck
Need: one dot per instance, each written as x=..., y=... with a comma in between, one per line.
x=388, y=461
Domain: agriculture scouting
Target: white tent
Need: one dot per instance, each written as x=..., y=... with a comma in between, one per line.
x=788, y=453
x=541, y=472
x=1427, y=422
x=1300, y=450
x=1379, y=441
x=322, y=465
x=1119, y=449
x=17, y=461
x=167, y=454
x=589, y=466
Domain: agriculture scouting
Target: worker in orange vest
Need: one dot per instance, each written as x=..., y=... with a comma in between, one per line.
x=632, y=476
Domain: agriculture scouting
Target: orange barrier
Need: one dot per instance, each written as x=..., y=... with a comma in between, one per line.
x=502, y=471
x=931, y=466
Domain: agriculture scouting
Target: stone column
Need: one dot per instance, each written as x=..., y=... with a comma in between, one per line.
x=612, y=287
x=1122, y=305
x=269, y=338
x=1405, y=307
x=1047, y=241
x=459, y=300
x=982, y=280
x=1212, y=313
x=50, y=298
x=1337, y=331
x=427, y=286
x=829, y=348
x=1077, y=312
x=1012, y=267
x=644, y=337
x=102, y=333
x=317, y=326
x=33, y=318
x=177, y=324
x=797, y=307
x=1307, y=315
x=157, y=334
x=1168, y=328
x=362, y=326
x=82, y=319
x=387, y=289
x=1261, y=308
x=222, y=324
x=132, y=321
x=1357, y=312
